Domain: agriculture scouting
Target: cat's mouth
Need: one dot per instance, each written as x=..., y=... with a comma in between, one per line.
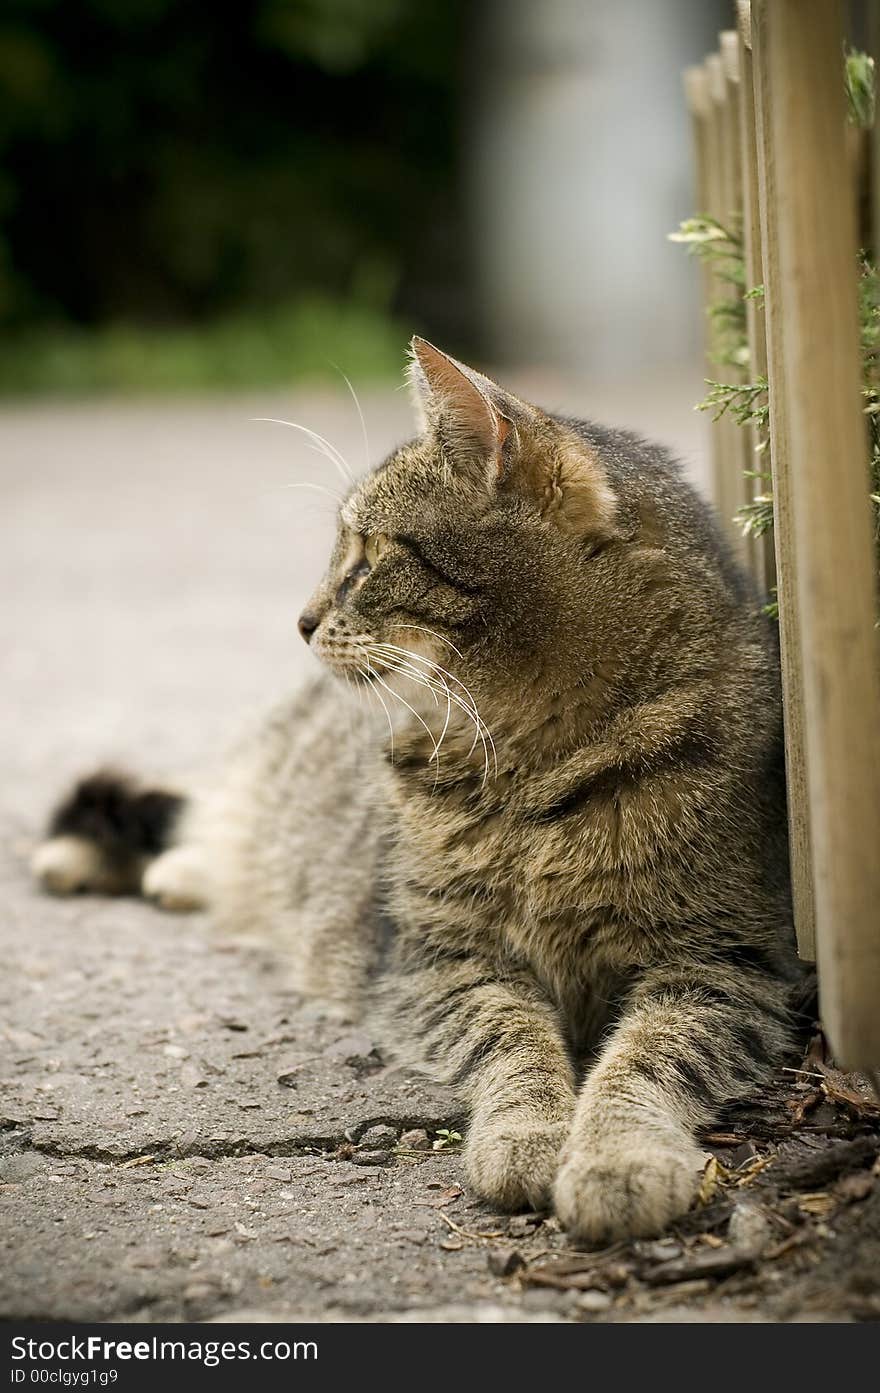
x=368, y=659
x=352, y=659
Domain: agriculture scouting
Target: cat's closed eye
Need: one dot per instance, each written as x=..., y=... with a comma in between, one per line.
x=374, y=546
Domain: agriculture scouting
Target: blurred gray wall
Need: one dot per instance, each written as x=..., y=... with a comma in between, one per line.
x=579, y=165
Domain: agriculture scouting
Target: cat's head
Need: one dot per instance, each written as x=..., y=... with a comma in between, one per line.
x=465, y=550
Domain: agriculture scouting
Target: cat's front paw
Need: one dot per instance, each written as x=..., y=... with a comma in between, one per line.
x=514, y=1165
x=630, y=1188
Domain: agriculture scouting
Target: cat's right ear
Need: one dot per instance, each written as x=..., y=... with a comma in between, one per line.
x=463, y=408
x=495, y=441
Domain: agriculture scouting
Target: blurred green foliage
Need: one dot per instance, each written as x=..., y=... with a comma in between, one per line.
x=310, y=338
x=858, y=76
x=256, y=183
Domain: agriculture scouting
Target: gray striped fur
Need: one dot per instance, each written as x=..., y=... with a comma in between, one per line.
x=587, y=928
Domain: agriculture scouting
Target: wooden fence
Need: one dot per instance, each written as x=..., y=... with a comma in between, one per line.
x=773, y=149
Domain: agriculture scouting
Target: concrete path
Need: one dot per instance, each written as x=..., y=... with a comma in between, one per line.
x=180, y=1138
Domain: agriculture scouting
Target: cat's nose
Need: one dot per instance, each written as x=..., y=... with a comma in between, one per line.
x=307, y=624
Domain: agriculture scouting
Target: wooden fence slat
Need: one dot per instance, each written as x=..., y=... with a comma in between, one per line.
x=765, y=558
x=719, y=193
x=815, y=293
x=740, y=484
x=799, y=835
x=696, y=89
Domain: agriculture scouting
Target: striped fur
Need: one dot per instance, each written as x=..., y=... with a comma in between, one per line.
x=557, y=876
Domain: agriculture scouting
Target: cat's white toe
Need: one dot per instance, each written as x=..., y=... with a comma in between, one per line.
x=177, y=881
x=66, y=865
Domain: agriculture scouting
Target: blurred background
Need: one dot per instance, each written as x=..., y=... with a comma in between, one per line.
x=194, y=195
x=207, y=215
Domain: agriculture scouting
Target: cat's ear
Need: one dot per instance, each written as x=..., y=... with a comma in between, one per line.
x=471, y=415
x=496, y=441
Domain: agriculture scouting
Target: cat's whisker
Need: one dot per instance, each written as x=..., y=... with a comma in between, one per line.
x=485, y=733
x=422, y=680
x=482, y=730
x=405, y=670
x=408, y=670
x=391, y=653
x=422, y=630
x=368, y=675
x=323, y=445
x=465, y=705
x=354, y=397
x=350, y=682
x=318, y=488
x=435, y=667
x=409, y=708
x=446, y=721
x=429, y=680
x=425, y=679
x=383, y=650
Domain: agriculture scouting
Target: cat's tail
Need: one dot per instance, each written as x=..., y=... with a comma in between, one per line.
x=106, y=834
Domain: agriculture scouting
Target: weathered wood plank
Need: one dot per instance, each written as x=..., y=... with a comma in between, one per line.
x=783, y=532
x=765, y=558
x=719, y=194
x=815, y=292
x=742, y=457
x=696, y=87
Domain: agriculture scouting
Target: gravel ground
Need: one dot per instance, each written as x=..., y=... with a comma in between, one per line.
x=181, y=1138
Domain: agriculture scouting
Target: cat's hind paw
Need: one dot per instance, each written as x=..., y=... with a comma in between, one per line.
x=70, y=865
x=177, y=881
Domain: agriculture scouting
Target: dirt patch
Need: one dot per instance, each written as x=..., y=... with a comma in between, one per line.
x=787, y=1226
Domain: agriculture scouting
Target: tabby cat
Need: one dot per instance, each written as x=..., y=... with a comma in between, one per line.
x=557, y=877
